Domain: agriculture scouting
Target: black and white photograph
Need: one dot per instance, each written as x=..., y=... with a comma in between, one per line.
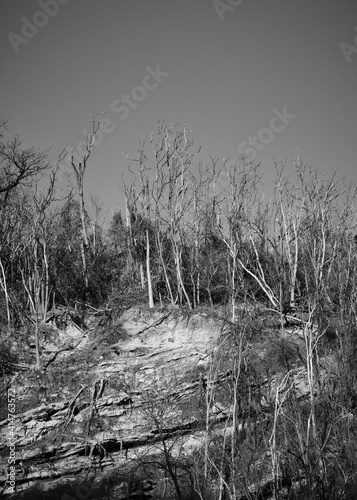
x=178, y=250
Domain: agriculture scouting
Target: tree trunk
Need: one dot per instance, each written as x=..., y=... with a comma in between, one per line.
x=148, y=272
x=164, y=268
x=4, y=287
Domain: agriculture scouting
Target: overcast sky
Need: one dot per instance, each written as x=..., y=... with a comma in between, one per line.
x=270, y=69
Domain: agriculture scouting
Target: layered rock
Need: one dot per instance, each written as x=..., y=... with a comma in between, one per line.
x=107, y=397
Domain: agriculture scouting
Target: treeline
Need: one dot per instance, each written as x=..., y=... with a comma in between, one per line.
x=192, y=234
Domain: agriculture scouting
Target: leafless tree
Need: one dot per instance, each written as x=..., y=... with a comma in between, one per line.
x=79, y=168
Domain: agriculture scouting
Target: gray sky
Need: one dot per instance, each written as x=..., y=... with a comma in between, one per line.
x=226, y=72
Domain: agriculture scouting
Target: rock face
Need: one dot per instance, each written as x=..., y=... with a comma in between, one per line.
x=107, y=401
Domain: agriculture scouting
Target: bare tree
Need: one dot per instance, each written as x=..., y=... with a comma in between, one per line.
x=18, y=165
x=36, y=262
x=241, y=195
x=159, y=193
x=21, y=168
x=79, y=168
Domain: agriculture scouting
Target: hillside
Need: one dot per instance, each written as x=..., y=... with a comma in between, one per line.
x=168, y=403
